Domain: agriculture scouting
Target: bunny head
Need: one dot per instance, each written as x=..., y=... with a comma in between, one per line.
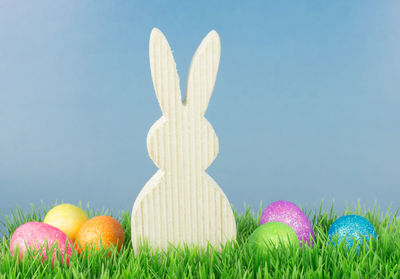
x=182, y=134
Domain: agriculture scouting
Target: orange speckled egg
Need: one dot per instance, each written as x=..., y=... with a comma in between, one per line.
x=100, y=231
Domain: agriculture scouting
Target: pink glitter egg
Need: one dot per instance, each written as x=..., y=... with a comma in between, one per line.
x=34, y=236
x=290, y=214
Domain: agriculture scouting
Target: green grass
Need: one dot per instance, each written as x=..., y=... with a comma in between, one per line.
x=380, y=260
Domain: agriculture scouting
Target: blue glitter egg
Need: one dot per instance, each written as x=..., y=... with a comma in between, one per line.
x=353, y=228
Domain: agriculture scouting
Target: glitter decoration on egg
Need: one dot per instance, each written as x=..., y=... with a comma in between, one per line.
x=41, y=238
x=272, y=234
x=351, y=228
x=288, y=213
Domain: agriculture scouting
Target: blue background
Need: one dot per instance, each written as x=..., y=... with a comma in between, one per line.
x=306, y=104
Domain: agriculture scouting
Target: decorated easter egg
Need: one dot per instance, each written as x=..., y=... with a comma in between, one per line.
x=100, y=232
x=351, y=228
x=34, y=235
x=272, y=234
x=66, y=217
x=290, y=214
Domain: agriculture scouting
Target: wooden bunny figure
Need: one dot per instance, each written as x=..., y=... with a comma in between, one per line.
x=181, y=203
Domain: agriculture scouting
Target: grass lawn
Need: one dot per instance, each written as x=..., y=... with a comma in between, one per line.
x=380, y=260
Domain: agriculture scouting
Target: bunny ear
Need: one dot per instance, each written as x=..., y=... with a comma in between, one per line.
x=202, y=73
x=163, y=72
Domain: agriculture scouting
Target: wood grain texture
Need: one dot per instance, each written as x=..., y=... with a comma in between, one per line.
x=181, y=203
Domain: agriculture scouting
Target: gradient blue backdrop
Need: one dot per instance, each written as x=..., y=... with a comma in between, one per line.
x=306, y=104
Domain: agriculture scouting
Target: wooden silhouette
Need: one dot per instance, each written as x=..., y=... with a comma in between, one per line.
x=181, y=203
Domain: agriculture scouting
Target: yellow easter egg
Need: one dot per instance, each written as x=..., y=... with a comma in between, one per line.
x=67, y=218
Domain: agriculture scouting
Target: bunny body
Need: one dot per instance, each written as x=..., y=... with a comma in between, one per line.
x=181, y=203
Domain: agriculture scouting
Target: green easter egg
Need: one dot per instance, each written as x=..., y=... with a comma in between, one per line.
x=272, y=233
